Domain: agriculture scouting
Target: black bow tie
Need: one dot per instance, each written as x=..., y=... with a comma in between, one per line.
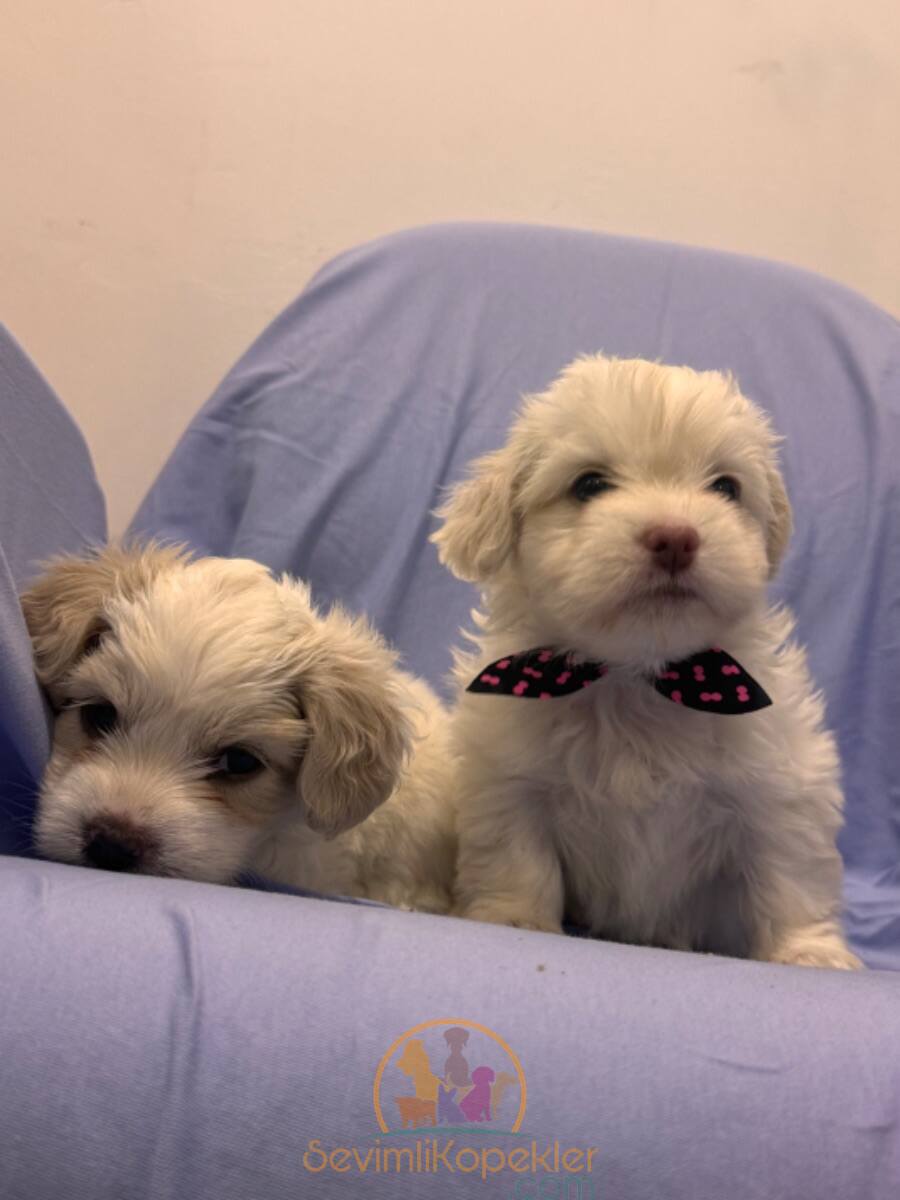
x=711, y=681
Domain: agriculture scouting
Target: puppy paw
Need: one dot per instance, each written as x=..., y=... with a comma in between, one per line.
x=537, y=925
x=838, y=959
x=817, y=950
x=517, y=919
x=407, y=899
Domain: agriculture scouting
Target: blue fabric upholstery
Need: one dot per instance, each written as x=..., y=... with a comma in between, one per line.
x=165, y=1040
x=50, y=503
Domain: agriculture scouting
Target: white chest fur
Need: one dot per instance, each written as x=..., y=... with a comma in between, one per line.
x=645, y=808
x=643, y=801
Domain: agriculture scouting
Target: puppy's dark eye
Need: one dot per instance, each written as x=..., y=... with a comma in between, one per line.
x=590, y=484
x=726, y=486
x=92, y=643
x=98, y=719
x=235, y=761
x=94, y=638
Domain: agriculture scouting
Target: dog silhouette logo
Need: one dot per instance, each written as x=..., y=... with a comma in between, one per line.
x=478, y=1085
x=449, y=1099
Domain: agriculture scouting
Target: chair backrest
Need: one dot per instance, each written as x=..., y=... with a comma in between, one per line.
x=325, y=449
x=50, y=503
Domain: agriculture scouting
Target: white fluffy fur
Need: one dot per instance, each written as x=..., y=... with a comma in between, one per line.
x=200, y=655
x=643, y=820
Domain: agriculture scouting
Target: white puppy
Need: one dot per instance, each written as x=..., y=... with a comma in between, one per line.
x=631, y=522
x=210, y=722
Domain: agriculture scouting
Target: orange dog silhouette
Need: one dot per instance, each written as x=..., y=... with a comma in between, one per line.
x=498, y=1088
x=414, y=1111
x=414, y=1063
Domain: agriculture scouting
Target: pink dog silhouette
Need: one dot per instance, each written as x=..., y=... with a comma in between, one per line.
x=476, y=1104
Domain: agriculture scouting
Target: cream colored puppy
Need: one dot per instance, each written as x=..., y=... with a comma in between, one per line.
x=657, y=769
x=210, y=722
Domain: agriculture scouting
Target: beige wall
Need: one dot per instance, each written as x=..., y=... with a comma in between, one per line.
x=173, y=170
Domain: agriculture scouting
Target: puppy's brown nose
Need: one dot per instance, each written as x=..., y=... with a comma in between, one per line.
x=673, y=547
x=114, y=845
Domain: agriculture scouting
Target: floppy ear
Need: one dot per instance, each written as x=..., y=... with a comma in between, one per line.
x=781, y=521
x=65, y=609
x=359, y=736
x=480, y=520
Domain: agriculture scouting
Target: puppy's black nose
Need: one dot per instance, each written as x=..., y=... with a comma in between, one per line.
x=110, y=854
x=113, y=845
x=673, y=547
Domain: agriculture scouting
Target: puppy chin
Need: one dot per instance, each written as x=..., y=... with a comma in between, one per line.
x=651, y=624
x=648, y=635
